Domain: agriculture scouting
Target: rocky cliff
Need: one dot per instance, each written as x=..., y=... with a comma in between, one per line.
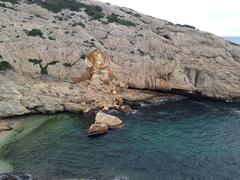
x=44, y=44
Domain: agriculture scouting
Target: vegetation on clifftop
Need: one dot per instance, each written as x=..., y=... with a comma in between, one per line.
x=95, y=12
x=59, y=5
x=115, y=18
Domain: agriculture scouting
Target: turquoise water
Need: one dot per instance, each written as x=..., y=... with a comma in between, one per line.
x=184, y=139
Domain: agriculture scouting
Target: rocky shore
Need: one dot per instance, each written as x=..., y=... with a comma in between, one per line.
x=8, y=125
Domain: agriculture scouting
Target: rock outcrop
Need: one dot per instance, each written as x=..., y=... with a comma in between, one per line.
x=43, y=47
x=111, y=121
x=98, y=129
x=23, y=94
x=103, y=122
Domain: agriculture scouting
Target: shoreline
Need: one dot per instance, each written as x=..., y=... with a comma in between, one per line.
x=131, y=97
x=11, y=122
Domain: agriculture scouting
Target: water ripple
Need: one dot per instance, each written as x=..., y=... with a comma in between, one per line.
x=181, y=140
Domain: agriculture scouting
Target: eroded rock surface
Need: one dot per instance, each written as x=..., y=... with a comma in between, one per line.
x=104, y=122
x=143, y=52
x=111, y=121
x=22, y=94
x=98, y=129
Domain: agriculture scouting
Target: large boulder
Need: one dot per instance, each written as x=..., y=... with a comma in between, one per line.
x=98, y=129
x=111, y=121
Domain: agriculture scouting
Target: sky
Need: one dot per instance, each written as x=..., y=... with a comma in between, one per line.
x=221, y=17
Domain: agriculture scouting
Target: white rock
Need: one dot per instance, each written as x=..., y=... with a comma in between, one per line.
x=112, y=121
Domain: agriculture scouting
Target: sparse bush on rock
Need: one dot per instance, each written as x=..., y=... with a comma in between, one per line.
x=51, y=38
x=96, y=12
x=78, y=24
x=59, y=5
x=115, y=18
x=67, y=64
x=35, y=32
x=3, y=5
x=4, y=66
x=11, y=1
x=43, y=68
x=185, y=26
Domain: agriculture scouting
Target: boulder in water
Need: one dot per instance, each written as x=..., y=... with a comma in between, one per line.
x=97, y=129
x=111, y=121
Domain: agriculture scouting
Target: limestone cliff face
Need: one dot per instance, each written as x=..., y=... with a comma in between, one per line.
x=143, y=52
x=23, y=94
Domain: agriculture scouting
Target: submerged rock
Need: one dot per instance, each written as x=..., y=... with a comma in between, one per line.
x=126, y=109
x=111, y=121
x=4, y=127
x=98, y=129
x=15, y=176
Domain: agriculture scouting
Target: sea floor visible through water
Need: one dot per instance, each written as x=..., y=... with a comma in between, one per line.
x=177, y=139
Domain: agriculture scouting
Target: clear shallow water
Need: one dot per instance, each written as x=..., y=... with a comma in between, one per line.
x=183, y=139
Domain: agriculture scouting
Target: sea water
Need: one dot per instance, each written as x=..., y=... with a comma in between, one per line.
x=183, y=139
x=235, y=39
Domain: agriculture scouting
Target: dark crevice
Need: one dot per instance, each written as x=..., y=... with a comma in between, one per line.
x=193, y=94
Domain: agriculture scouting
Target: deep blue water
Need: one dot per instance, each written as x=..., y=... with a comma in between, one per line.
x=184, y=139
x=235, y=39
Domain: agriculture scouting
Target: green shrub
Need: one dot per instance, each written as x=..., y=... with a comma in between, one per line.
x=35, y=61
x=35, y=32
x=166, y=36
x=95, y=12
x=11, y=1
x=185, y=26
x=1, y=57
x=131, y=13
x=79, y=24
x=126, y=11
x=137, y=15
x=51, y=38
x=115, y=18
x=170, y=23
x=59, y=5
x=83, y=56
x=142, y=53
x=3, y=5
x=43, y=68
x=67, y=64
x=4, y=66
x=89, y=44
